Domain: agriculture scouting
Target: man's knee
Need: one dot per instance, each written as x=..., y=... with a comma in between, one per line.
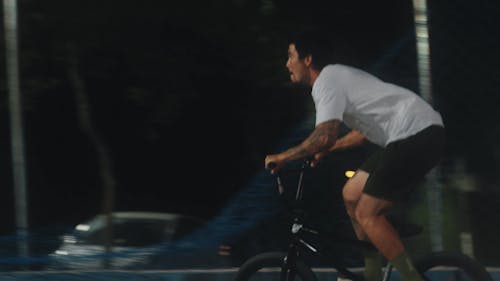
x=369, y=208
x=364, y=216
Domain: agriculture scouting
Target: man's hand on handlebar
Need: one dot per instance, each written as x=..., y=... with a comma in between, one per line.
x=273, y=163
x=316, y=159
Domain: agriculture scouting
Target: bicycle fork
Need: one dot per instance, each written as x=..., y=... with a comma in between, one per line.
x=387, y=272
x=288, y=270
x=288, y=267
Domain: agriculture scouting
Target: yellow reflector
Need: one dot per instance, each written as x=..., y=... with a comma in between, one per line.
x=349, y=174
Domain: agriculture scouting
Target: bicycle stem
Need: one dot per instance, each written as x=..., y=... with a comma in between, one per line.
x=298, y=195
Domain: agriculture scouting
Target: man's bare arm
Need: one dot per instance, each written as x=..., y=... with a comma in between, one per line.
x=321, y=139
x=350, y=140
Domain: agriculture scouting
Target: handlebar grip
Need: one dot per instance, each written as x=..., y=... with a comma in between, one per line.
x=271, y=165
x=280, y=186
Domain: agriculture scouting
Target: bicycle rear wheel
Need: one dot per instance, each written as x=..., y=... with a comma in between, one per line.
x=451, y=267
x=267, y=267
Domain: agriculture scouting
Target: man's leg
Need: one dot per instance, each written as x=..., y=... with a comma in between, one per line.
x=369, y=214
x=352, y=193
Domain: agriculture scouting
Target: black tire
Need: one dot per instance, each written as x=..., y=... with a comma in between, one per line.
x=267, y=266
x=459, y=267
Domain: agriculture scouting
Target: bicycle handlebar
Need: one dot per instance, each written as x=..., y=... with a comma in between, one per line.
x=305, y=166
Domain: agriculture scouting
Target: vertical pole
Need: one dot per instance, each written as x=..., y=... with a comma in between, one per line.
x=434, y=192
x=17, y=144
x=423, y=50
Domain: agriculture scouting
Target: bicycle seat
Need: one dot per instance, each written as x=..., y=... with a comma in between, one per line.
x=404, y=228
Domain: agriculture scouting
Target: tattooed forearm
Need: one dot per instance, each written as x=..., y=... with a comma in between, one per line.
x=352, y=139
x=321, y=139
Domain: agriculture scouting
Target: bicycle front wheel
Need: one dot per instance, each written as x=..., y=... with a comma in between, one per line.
x=268, y=267
x=451, y=267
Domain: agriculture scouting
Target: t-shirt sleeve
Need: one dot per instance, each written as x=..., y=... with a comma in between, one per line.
x=330, y=103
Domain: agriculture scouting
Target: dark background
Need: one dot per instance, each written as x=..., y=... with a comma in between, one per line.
x=189, y=96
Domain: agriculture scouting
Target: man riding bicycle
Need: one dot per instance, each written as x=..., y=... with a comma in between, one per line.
x=408, y=130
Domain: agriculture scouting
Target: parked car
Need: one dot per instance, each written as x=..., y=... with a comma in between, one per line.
x=139, y=240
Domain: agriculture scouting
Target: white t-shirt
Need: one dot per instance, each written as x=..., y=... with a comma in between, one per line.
x=381, y=111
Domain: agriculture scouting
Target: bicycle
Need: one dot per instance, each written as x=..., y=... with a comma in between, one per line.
x=290, y=266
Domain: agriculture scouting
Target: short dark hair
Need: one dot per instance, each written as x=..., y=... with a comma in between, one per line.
x=316, y=43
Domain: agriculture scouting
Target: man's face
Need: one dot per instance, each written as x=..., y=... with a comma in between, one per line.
x=297, y=67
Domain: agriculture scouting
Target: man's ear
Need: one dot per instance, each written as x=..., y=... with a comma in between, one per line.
x=308, y=60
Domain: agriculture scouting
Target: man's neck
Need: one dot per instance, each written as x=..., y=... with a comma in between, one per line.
x=313, y=74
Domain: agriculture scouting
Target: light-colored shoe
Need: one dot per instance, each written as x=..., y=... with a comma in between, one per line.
x=343, y=279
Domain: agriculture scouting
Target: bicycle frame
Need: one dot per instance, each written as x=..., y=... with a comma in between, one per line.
x=298, y=241
x=291, y=265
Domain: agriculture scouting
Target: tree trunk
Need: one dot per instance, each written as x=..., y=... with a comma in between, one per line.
x=105, y=162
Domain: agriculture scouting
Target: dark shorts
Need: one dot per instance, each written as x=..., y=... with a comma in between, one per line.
x=396, y=169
